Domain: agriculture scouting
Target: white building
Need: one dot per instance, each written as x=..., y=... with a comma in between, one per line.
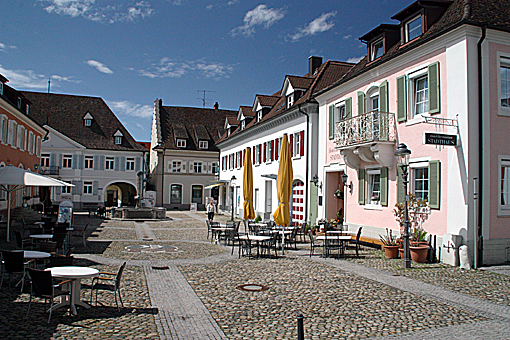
x=89, y=147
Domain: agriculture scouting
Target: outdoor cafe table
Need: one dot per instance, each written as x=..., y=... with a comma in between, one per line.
x=75, y=274
x=341, y=238
x=34, y=254
x=42, y=236
x=256, y=238
x=222, y=229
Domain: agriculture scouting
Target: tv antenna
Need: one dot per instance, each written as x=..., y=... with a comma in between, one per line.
x=204, y=101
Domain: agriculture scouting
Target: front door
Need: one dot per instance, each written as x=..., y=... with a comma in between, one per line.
x=269, y=200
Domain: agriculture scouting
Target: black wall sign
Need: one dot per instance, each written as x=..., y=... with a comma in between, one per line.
x=440, y=139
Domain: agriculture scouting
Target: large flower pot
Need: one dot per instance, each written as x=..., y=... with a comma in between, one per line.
x=419, y=254
x=391, y=252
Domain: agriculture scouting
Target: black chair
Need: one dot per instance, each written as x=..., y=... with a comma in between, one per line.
x=59, y=238
x=14, y=263
x=291, y=238
x=80, y=232
x=244, y=246
x=47, y=246
x=272, y=243
x=356, y=242
x=42, y=286
x=313, y=245
x=23, y=242
x=302, y=231
x=333, y=243
x=114, y=287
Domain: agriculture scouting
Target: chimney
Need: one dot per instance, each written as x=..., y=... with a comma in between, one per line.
x=216, y=106
x=313, y=64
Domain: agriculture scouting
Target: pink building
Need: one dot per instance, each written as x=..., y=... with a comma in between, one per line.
x=437, y=80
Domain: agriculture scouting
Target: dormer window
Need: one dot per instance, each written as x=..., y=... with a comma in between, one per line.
x=376, y=49
x=87, y=119
x=1, y=88
x=28, y=109
x=259, y=116
x=413, y=28
x=181, y=143
x=203, y=144
x=118, y=137
x=19, y=102
x=290, y=100
x=243, y=124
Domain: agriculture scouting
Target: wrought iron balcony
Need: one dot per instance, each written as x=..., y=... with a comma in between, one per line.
x=50, y=170
x=369, y=127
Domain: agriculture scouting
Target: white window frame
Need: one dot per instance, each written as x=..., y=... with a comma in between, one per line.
x=12, y=134
x=176, y=166
x=130, y=164
x=413, y=166
x=259, y=115
x=243, y=124
x=371, y=95
x=290, y=100
x=268, y=152
x=296, y=145
x=88, y=162
x=369, y=174
x=257, y=155
x=238, y=156
x=197, y=167
x=406, y=27
x=215, y=167
x=109, y=163
x=45, y=160
x=67, y=161
x=87, y=122
x=4, y=128
x=339, y=113
x=66, y=189
x=373, y=45
x=87, y=188
x=118, y=140
x=503, y=186
x=503, y=61
x=411, y=93
x=203, y=144
x=181, y=143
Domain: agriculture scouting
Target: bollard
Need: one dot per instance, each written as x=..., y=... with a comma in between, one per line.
x=300, y=330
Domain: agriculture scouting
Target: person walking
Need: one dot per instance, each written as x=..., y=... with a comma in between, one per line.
x=210, y=210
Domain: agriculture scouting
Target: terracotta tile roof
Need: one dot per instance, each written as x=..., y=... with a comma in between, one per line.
x=247, y=111
x=192, y=124
x=232, y=121
x=65, y=113
x=267, y=101
x=493, y=13
x=302, y=83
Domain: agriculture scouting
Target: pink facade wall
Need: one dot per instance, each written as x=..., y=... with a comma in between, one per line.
x=412, y=135
x=499, y=129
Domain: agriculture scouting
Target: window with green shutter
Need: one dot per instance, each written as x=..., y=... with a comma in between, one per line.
x=361, y=186
x=434, y=93
x=434, y=184
x=348, y=108
x=401, y=99
x=383, y=97
x=384, y=186
x=331, y=121
x=361, y=103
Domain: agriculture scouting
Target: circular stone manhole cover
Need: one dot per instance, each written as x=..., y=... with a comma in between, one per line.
x=151, y=248
x=252, y=288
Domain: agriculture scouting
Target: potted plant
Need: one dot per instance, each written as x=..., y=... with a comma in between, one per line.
x=257, y=219
x=390, y=244
x=339, y=194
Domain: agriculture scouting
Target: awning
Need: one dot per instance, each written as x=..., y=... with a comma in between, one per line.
x=214, y=185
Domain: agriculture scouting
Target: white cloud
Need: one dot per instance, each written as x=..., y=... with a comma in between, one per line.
x=99, y=66
x=347, y=37
x=319, y=25
x=89, y=10
x=259, y=16
x=28, y=79
x=168, y=68
x=4, y=47
x=130, y=109
x=355, y=60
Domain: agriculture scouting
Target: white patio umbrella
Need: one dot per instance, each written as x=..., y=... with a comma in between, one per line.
x=13, y=178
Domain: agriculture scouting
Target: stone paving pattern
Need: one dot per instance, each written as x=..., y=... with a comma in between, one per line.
x=193, y=294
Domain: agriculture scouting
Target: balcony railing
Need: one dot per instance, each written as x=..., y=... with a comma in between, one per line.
x=369, y=127
x=50, y=170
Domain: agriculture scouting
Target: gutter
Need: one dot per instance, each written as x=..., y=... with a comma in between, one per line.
x=478, y=242
x=307, y=181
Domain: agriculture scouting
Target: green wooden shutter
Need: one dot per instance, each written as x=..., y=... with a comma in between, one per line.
x=361, y=103
x=434, y=184
x=384, y=186
x=348, y=108
x=434, y=93
x=401, y=99
x=331, y=121
x=383, y=97
x=361, y=186
x=401, y=195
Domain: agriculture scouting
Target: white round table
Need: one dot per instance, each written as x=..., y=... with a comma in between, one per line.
x=75, y=274
x=42, y=236
x=34, y=254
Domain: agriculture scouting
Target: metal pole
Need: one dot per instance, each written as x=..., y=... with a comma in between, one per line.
x=406, y=261
x=475, y=224
x=300, y=328
x=232, y=203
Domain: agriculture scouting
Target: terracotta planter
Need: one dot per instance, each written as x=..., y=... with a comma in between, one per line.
x=418, y=243
x=391, y=252
x=401, y=253
x=419, y=254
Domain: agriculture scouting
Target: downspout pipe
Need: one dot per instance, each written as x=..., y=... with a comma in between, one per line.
x=479, y=241
x=307, y=158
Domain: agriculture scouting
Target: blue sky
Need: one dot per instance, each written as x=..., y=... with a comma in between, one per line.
x=132, y=52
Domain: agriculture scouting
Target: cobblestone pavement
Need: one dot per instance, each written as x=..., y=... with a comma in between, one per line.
x=193, y=292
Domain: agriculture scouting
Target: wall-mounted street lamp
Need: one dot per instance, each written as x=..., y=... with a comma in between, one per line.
x=232, y=186
x=344, y=181
x=315, y=180
x=403, y=154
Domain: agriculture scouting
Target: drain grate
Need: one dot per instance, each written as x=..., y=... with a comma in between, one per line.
x=160, y=268
x=252, y=287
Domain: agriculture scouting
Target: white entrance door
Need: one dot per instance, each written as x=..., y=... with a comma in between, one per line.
x=269, y=200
